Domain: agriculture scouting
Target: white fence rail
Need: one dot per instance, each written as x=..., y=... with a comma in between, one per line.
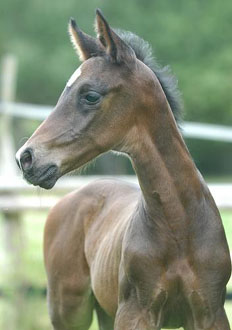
x=190, y=129
x=40, y=199
x=207, y=131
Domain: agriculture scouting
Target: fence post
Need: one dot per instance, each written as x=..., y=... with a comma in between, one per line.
x=8, y=90
x=12, y=226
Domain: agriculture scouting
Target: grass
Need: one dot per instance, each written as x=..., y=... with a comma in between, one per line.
x=30, y=312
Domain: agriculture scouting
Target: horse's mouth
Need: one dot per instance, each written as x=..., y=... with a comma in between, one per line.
x=45, y=176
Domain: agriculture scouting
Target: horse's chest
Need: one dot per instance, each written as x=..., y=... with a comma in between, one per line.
x=172, y=278
x=177, y=289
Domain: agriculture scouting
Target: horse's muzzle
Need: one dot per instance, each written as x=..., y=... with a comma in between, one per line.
x=44, y=176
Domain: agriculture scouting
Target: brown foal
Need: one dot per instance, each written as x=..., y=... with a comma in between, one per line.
x=147, y=258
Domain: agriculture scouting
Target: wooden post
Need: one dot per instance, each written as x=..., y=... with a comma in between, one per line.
x=7, y=95
x=12, y=225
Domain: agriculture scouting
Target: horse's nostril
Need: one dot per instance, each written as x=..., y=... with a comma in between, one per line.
x=26, y=160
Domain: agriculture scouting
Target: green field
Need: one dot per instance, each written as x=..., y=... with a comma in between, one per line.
x=20, y=312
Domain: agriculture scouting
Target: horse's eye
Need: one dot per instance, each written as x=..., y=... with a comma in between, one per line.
x=92, y=97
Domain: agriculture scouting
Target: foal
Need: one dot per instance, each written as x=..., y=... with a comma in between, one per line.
x=147, y=258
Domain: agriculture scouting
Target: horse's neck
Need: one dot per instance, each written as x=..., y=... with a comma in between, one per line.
x=170, y=183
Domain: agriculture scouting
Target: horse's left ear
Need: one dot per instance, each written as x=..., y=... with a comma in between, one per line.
x=114, y=46
x=85, y=45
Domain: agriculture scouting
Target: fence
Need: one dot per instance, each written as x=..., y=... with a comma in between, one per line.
x=189, y=129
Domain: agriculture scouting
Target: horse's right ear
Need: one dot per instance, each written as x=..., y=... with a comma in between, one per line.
x=85, y=45
x=114, y=46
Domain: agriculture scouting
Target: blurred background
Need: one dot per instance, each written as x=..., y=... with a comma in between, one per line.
x=193, y=37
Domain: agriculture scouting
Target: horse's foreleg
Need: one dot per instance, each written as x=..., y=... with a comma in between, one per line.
x=105, y=322
x=70, y=298
x=132, y=317
x=71, y=310
x=220, y=323
x=128, y=319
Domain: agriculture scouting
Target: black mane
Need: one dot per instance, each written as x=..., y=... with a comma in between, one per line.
x=168, y=82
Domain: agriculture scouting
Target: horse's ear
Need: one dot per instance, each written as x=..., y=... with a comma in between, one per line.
x=114, y=46
x=85, y=45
